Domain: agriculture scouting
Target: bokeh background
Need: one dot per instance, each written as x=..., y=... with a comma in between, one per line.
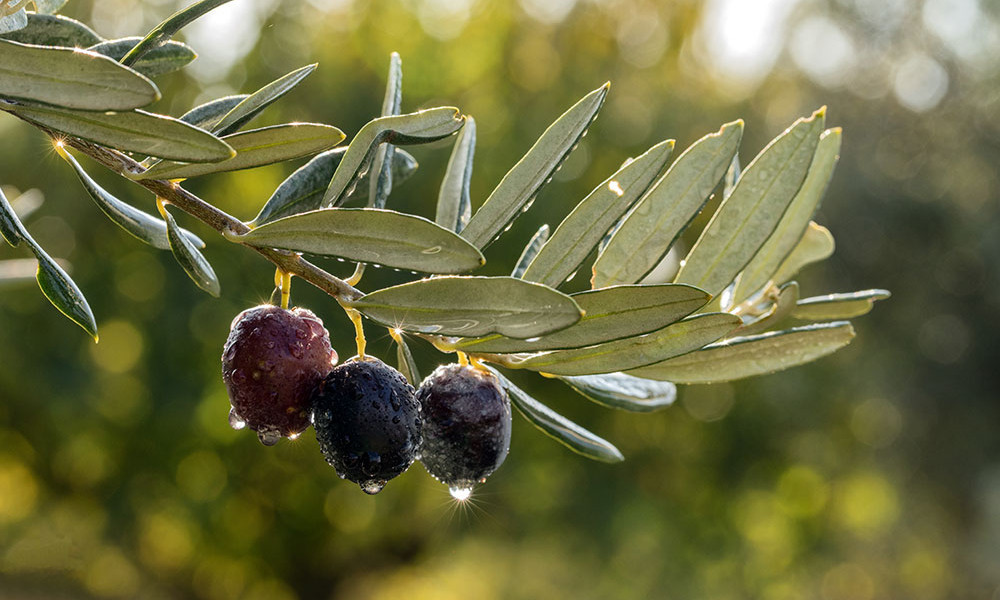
x=874, y=473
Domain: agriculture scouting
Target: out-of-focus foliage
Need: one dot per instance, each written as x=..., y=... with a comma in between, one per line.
x=873, y=473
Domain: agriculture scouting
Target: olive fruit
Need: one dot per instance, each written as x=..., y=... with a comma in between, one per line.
x=367, y=422
x=466, y=426
x=271, y=364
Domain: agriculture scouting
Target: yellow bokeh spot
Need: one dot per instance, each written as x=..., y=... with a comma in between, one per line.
x=867, y=504
x=165, y=541
x=802, y=492
x=348, y=511
x=120, y=347
x=847, y=581
x=110, y=574
x=201, y=475
x=18, y=490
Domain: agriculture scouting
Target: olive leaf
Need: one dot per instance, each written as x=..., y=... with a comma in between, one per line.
x=252, y=105
x=191, y=260
x=165, y=30
x=520, y=185
x=741, y=357
x=781, y=307
x=207, y=115
x=590, y=220
x=624, y=391
x=731, y=177
x=71, y=78
x=658, y=219
x=369, y=235
x=171, y=56
x=838, y=306
x=454, y=205
x=49, y=7
x=380, y=181
x=54, y=30
x=558, y=427
x=471, y=306
x=14, y=21
x=404, y=359
x=530, y=251
x=816, y=244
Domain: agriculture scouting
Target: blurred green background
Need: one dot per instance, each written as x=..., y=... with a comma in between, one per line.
x=874, y=473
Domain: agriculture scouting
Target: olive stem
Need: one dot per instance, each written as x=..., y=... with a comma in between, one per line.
x=359, y=337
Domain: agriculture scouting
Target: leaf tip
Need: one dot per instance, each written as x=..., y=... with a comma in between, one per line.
x=820, y=113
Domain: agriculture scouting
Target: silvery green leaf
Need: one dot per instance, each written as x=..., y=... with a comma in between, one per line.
x=731, y=177
x=623, y=391
x=558, y=427
x=380, y=181
x=471, y=306
x=171, y=56
x=133, y=131
x=71, y=78
x=816, y=244
x=454, y=205
x=49, y=7
x=838, y=306
x=781, y=307
x=630, y=353
x=413, y=128
x=255, y=148
x=54, y=30
x=191, y=260
x=795, y=220
x=584, y=227
x=369, y=235
x=303, y=190
x=524, y=180
x=407, y=366
x=252, y=105
x=10, y=225
x=745, y=219
x=609, y=314
x=143, y=226
x=165, y=30
x=530, y=251
x=658, y=219
x=14, y=21
x=207, y=115
x=741, y=357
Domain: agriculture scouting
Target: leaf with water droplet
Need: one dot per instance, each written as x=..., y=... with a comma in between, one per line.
x=191, y=260
x=558, y=427
x=815, y=245
x=586, y=225
x=745, y=219
x=380, y=181
x=169, y=57
x=530, y=251
x=838, y=306
x=255, y=103
x=624, y=391
x=741, y=357
x=454, y=205
x=534, y=170
x=54, y=30
x=659, y=217
x=471, y=306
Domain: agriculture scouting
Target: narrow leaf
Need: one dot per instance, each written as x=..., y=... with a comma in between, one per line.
x=793, y=224
x=171, y=56
x=414, y=128
x=583, y=228
x=12, y=22
x=530, y=251
x=252, y=105
x=165, y=30
x=520, y=185
x=838, y=306
x=609, y=314
x=741, y=357
x=623, y=391
x=404, y=358
x=134, y=131
x=380, y=183
x=815, y=245
x=746, y=219
x=731, y=177
x=191, y=260
x=54, y=30
x=471, y=306
x=10, y=225
x=558, y=427
x=71, y=78
x=207, y=115
x=370, y=235
x=659, y=218
x=255, y=148
x=454, y=205
x=621, y=355
x=780, y=309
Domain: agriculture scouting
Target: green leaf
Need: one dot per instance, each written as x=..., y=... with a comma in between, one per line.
x=621, y=355
x=54, y=30
x=71, y=78
x=530, y=251
x=609, y=314
x=741, y=357
x=10, y=225
x=303, y=190
x=731, y=177
x=133, y=131
x=208, y=115
x=658, y=219
x=407, y=366
x=558, y=427
x=793, y=224
x=454, y=205
x=584, y=227
x=369, y=235
x=252, y=105
x=380, y=183
x=171, y=56
x=143, y=226
x=191, y=260
x=13, y=22
x=413, y=128
x=255, y=148
x=165, y=30
x=780, y=309
x=838, y=306
x=520, y=185
x=815, y=245
x=49, y=7
x=623, y=391
x=471, y=306
x=746, y=218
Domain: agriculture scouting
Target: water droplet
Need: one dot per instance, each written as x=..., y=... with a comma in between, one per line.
x=302, y=333
x=296, y=350
x=239, y=376
x=395, y=420
x=268, y=437
x=294, y=436
x=460, y=493
x=533, y=340
x=372, y=486
x=269, y=344
x=431, y=250
x=396, y=405
x=236, y=421
x=572, y=275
